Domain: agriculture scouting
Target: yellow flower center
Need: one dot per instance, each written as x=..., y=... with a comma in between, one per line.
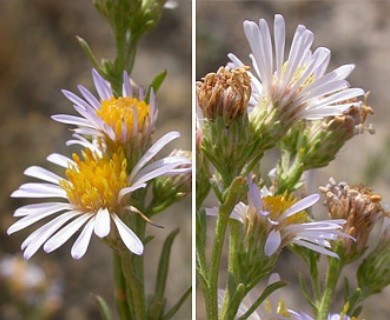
x=119, y=112
x=94, y=183
x=276, y=205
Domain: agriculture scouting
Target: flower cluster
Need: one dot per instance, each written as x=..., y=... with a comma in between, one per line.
x=117, y=159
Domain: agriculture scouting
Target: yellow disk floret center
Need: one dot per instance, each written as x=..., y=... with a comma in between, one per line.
x=93, y=182
x=119, y=113
x=278, y=204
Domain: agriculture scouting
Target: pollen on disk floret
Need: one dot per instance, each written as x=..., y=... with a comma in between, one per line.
x=94, y=182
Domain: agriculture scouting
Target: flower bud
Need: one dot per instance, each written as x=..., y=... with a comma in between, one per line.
x=224, y=94
x=172, y=188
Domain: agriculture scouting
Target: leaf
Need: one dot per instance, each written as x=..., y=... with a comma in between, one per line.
x=163, y=266
x=178, y=304
x=103, y=308
x=266, y=293
x=88, y=52
x=156, y=83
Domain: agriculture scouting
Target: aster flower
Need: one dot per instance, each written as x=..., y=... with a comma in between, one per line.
x=280, y=221
x=94, y=196
x=298, y=87
x=120, y=120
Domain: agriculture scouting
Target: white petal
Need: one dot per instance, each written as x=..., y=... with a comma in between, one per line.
x=153, y=150
x=43, y=174
x=34, y=217
x=314, y=247
x=39, y=190
x=272, y=243
x=81, y=244
x=40, y=207
x=280, y=40
x=102, y=223
x=300, y=205
x=129, y=238
x=60, y=160
x=35, y=240
x=131, y=189
x=65, y=233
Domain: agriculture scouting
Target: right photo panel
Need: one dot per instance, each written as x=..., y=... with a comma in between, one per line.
x=292, y=170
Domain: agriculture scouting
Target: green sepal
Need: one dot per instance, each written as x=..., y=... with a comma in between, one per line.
x=104, y=310
x=155, y=85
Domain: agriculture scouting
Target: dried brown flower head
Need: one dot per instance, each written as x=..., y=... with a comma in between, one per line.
x=225, y=93
x=360, y=207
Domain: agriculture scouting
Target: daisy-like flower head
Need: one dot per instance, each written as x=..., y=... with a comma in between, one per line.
x=93, y=193
x=298, y=87
x=282, y=220
x=120, y=120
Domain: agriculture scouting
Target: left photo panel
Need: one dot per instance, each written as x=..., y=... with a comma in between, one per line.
x=96, y=111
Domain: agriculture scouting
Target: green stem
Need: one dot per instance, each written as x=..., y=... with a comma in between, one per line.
x=120, y=289
x=231, y=198
x=135, y=286
x=332, y=275
x=220, y=230
x=233, y=269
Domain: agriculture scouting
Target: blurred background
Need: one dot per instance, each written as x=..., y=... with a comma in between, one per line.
x=39, y=55
x=356, y=32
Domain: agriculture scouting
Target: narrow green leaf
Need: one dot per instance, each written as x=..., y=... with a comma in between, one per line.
x=163, y=265
x=171, y=312
x=267, y=292
x=103, y=308
x=156, y=83
x=88, y=52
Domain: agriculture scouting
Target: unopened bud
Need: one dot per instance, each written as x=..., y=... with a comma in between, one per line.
x=224, y=94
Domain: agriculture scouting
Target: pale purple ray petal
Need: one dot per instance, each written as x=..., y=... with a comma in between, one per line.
x=75, y=99
x=315, y=248
x=89, y=97
x=272, y=243
x=126, y=87
x=101, y=86
x=280, y=41
x=153, y=150
x=72, y=120
x=300, y=205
